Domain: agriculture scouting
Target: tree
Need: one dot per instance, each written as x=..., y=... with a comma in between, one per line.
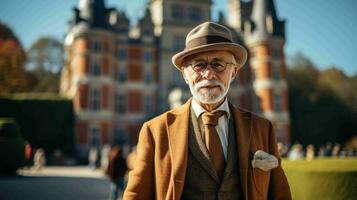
x=45, y=60
x=320, y=103
x=12, y=60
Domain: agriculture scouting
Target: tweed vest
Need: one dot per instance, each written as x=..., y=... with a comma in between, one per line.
x=201, y=180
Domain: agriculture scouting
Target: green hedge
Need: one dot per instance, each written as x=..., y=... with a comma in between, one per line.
x=328, y=179
x=45, y=121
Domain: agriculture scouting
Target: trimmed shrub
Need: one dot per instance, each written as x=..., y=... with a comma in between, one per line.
x=46, y=121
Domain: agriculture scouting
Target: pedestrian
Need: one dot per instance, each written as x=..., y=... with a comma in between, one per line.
x=92, y=158
x=310, y=152
x=296, y=152
x=116, y=171
x=336, y=150
x=104, y=156
x=39, y=160
x=208, y=148
x=28, y=154
x=130, y=159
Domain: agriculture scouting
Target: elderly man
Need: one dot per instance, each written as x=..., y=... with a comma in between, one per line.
x=207, y=148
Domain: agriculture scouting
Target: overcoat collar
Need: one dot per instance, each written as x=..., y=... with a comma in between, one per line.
x=177, y=123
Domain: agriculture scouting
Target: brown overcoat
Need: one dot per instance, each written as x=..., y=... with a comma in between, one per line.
x=162, y=152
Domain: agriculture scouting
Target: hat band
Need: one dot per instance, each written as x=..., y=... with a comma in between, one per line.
x=205, y=40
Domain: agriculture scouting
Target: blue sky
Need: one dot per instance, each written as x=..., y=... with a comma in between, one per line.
x=323, y=30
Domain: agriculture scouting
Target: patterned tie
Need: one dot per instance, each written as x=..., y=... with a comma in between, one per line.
x=213, y=143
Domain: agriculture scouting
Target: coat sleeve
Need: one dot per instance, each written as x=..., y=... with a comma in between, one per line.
x=278, y=186
x=141, y=183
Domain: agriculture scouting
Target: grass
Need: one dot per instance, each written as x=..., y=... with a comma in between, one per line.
x=328, y=179
x=326, y=165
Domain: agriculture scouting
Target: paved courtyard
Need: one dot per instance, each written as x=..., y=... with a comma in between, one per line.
x=56, y=183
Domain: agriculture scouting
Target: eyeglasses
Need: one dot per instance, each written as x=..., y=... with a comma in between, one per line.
x=216, y=65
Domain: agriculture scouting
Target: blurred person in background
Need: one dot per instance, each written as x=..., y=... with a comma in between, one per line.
x=92, y=158
x=28, y=154
x=336, y=150
x=296, y=152
x=328, y=149
x=130, y=159
x=310, y=152
x=39, y=159
x=283, y=149
x=104, y=156
x=116, y=171
x=322, y=152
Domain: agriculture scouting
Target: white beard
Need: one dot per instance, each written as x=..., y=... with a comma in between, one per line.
x=209, y=97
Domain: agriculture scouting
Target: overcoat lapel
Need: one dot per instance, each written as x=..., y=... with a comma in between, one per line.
x=177, y=129
x=243, y=125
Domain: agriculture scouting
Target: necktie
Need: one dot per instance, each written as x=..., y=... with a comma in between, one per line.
x=212, y=141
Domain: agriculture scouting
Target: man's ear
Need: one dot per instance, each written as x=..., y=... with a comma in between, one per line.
x=234, y=73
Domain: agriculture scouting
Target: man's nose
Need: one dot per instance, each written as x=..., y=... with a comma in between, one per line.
x=208, y=73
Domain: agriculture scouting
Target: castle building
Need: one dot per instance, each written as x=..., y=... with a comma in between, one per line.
x=120, y=75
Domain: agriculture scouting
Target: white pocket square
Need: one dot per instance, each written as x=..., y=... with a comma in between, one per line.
x=264, y=161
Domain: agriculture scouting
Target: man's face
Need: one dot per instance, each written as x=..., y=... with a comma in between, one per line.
x=211, y=84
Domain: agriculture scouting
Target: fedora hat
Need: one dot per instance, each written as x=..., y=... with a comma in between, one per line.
x=210, y=36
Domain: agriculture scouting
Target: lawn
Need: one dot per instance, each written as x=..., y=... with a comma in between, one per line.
x=322, y=179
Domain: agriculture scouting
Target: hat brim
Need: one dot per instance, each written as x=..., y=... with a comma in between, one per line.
x=240, y=53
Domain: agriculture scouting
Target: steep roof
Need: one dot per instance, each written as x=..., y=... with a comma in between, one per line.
x=93, y=12
x=266, y=22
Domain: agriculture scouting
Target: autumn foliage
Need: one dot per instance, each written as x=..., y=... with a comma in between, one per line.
x=12, y=61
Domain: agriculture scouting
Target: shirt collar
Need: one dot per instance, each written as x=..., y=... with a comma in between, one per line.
x=197, y=108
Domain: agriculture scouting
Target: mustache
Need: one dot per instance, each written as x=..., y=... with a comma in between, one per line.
x=205, y=83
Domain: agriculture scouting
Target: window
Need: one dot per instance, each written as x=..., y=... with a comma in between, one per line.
x=94, y=101
x=195, y=13
x=120, y=136
x=147, y=56
x=121, y=74
x=148, y=104
x=96, y=46
x=94, y=137
x=276, y=72
x=177, y=79
x=177, y=11
x=277, y=102
x=178, y=43
x=94, y=68
x=120, y=104
x=121, y=54
x=147, y=77
x=275, y=53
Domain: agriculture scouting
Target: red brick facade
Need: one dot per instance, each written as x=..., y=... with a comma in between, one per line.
x=135, y=102
x=105, y=97
x=83, y=93
x=82, y=133
x=105, y=132
x=135, y=72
